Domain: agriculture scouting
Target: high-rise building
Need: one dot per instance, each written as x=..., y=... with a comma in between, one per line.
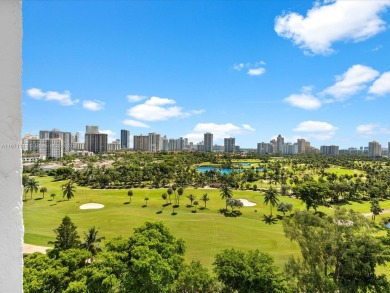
x=92, y=129
x=153, y=142
x=125, y=139
x=140, y=142
x=77, y=137
x=56, y=133
x=329, y=150
x=302, y=146
x=47, y=148
x=96, y=142
x=114, y=145
x=208, y=142
x=279, y=144
x=374, y=149
x=264, y=148
x=229, y=145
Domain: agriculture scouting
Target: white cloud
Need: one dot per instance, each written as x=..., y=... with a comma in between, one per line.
x=94, y=105
x=371, y=129
x=219, y=131
x=158, y=109
x=351, y=82
x=304, y=101
x=135, y=98
x=135, y=123
x=256, y=71
x=111, y=135
x=316, y=129
x=63, y=99
x=239, y=66
x=332, y=21
x=381, y=86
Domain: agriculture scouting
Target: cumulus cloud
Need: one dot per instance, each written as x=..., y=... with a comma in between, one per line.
x=62, y=98
x=332, y=21
x=304, y=101
x=135, y=123
x=159, y=109
x=238, y=66
x=351, y=82
x=135, y=98
x=381, y=86
x=256, y=71
x=219, y=131
x=367, y=130
x=111, y=135
x=316, y=129
x=94, y=105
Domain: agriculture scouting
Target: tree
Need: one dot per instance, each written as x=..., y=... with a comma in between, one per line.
x=180, y=192
x=271, y=198
x=165, y=197
x=53, y=195
x=375, y=208
x=169, y=191
x=196, y=203
x=191, y=197
x=195, y=278
x=43, y=190
x=205, y=199
x=312, y=193
x=31, y=186
x=249, y=272
x=155, y=258
x=66, y=235
x=91, y=241
x=146, y=201
x=338, y=253
x=269, y=219
x=226, y=193
x=68, y=190
x=130, y=194
x=284, y=207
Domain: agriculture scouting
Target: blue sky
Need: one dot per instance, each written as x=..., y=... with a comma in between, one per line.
x=247, y=69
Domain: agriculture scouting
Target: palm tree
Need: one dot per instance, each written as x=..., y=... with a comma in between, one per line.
x=146, y=201
x=271, y=198
x=43, y=190
x=205, y=198
x=226, y=193
x=91, y=241
x=68, y=190
x=53, y=195
x=191, y=197
x=130, y=194
x=195, y=205
x=32, y=186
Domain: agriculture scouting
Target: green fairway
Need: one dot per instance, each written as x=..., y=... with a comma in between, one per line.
x=206, y=232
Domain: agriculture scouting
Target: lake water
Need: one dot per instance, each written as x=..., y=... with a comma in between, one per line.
x=223, y=170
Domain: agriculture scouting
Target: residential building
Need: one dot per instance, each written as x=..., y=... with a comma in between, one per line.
x=279, y=144
x=265, y=148
x=229, y=145
x=125, y=139
x=96, y=142
x=374, y=149
x=92, y=129
x=330, y=150
x=141, y=142
x=208, y=142
x=153, y=142
x=114, y=145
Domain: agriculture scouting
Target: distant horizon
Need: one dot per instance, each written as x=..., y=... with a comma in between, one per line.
x=248, y=70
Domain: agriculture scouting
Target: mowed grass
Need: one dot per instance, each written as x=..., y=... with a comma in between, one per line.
x=206, y=232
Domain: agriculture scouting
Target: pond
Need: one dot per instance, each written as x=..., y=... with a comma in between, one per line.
x=222, y=170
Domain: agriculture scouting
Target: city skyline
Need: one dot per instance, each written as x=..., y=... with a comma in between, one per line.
x=246, y=70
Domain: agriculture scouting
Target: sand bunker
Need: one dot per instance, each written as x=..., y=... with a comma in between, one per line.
x=246, y=202
x=29, y=248
x=91, y=206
